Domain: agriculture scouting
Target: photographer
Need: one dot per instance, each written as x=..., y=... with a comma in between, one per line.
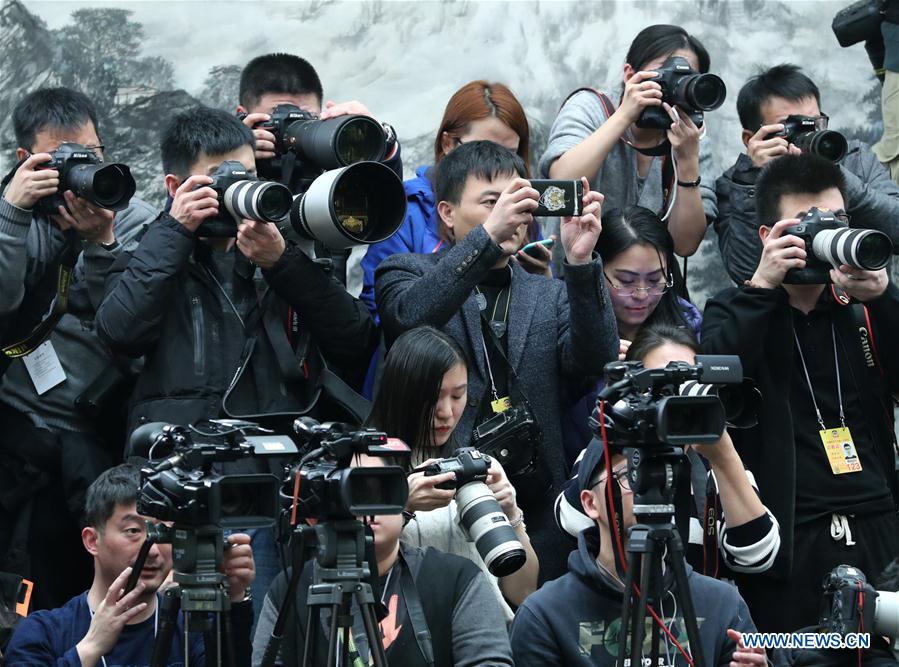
x=743, y=535
x=420, y=400
x=802, y=345
x=525, y=335
x=633, y=165
x=462, y=617
x=764, y=103
x=574, y=620
x=211, y=314
x=107, y=626
x=51, y=450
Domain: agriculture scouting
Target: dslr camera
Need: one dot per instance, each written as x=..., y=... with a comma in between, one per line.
x=858, y=22
x=850, y=604
x=344, y=196
x=810, y=134
x=184, y=489
x=829, y=242
x=690, y=91
x=480, y=514
x=242, y=195
x=107, y=185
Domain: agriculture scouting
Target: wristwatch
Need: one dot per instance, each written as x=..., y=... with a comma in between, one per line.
x=109, y=246
x=690, y=184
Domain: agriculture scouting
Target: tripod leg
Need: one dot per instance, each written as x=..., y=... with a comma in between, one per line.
x=227, y=640
x=345, y=649
x=168, y=622
x=639, y=619
x=627, y=607
x=333, y=634
x=312, y=630
x=373, y=634
x=685, y=600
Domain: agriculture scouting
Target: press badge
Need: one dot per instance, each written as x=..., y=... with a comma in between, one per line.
x=501, y=404
x=840, y=450
x=44, y=368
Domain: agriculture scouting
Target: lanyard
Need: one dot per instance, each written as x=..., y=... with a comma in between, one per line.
x=483, y=300
x=811, y=390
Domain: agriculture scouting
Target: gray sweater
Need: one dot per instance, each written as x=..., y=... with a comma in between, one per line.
x=28, y=247
x=617, y=179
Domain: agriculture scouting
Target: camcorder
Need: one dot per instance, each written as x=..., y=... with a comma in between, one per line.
x=850, y=604
x=242, y=195
x=107, y=185
x=480, y=514
x=653, y=408
x=810, y=134
x=829, y=242
x=343, y=195
x=682, y=86
x=324, y=487
x=184, y=489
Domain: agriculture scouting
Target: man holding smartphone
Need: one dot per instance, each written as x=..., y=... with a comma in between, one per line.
x=525, y=336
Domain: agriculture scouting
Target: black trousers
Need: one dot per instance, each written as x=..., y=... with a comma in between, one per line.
x=43, y=481
x=785, y=605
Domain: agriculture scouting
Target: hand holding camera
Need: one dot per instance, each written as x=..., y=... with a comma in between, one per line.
x=511, y=211
x=684, y=136
x=93, y=224
x=779, y=254
x=260, y=242
x=194, y=202
x=502, y=488
x=860, y=284
x=238, y=565
x=768, y=143
x=354, y=108
x=640, y=92
x=428, y=491
x=579, y=233
x=30, y=183
x=265, y=139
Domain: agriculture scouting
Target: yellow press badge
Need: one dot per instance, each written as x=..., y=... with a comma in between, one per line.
x=840, y=450
x=501, y=404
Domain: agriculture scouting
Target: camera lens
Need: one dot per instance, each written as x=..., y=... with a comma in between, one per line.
x=685, y=420
x=258, y=200
x=358, y=140
x=859, y=248
x=705, y=92
x=828, y=144
x=110, y=186
x=337, y=142
x=487, y=526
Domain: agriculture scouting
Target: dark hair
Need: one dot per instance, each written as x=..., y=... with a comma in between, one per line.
x=282, y=73
x=478, y=100
x=659, y=334
x=410, y=386
x=114, y=487
x=636, y=225
x=786, y=81
x=57, y=108
x=483, y=159
x=662, y=40
x=201, y=130
x=793, y=175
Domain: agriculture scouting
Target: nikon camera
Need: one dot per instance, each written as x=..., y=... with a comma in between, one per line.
x=107, y=185
x=833, y=243
x=685, y=88
x=810, y=134
x=480, y=515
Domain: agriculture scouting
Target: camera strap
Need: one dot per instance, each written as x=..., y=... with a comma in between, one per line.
x=67, y=258
x=415, y=612
x=488, y=332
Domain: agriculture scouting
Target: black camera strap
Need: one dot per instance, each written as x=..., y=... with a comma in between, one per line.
x=415, y=612
x=514, y=382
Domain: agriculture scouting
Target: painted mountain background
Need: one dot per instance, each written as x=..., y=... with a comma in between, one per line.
x=142, y=61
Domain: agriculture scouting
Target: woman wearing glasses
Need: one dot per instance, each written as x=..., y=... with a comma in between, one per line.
x=637, y=255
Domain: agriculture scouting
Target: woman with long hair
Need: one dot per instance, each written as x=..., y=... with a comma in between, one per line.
x=655, y=168
x=423, y=392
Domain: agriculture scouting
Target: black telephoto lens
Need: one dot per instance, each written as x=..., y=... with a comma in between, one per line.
x=705, y=92
x=825, y=143
x=108, y=185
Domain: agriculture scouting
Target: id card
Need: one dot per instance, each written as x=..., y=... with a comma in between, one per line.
x=840, y=450
x=501, y=404
x=44, y=368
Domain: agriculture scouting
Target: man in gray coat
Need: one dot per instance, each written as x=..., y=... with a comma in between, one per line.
x=527, y=337
x=764, y=103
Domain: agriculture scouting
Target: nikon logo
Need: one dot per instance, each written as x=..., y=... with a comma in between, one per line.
x=866, y=347
x=79, y=155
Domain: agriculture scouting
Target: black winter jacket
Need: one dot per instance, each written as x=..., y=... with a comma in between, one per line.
x=162, y=301
x=757, y=324
x=872, y=201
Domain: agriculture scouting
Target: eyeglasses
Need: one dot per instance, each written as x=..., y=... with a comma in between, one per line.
x=621, y=477
x=657, y=288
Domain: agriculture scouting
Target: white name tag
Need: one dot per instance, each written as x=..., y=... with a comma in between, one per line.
x=44, y=368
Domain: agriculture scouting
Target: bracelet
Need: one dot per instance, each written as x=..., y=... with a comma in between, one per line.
x=519, y=520
x=690, y=184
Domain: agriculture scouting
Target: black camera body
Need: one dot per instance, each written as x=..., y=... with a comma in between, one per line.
x=107, y=185
x=858, y=22
x=849, y=602
x=829, y=242
x=693, y=93
x=513, y=437
x=242, y=195
x=468, y=464
x=643, y=407
x=804, y=133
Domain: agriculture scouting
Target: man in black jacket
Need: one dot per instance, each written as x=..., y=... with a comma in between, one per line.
x=764, y=102
x=228, y=327
x=803, y=347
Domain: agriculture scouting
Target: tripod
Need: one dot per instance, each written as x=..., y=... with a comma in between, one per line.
x=198, y=552
x=341, y=574
x=653, y=475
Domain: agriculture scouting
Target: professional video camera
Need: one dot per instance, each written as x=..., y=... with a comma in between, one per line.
x=810, y=134
x=692, y=92
x=833, y=243
x=357, y=200
x=242, y=195
x=183, y=488
x=107, y=185
x=480, y=514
